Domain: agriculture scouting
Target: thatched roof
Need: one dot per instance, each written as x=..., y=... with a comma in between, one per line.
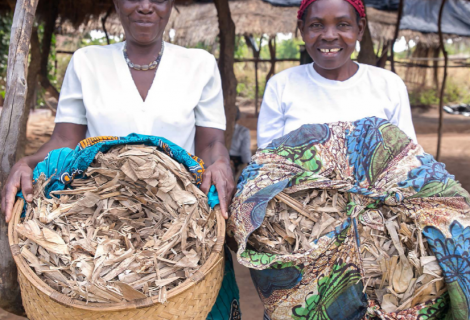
x=198, y=23
x=75, y=12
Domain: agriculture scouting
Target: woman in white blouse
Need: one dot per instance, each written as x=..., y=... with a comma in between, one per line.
x=144, y=86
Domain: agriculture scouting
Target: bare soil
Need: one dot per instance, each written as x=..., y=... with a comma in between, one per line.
x=455, y=154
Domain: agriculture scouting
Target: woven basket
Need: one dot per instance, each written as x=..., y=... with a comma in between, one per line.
x=193, y=299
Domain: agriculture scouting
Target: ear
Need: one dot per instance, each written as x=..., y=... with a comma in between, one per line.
x=362, y=23
x=300, y=26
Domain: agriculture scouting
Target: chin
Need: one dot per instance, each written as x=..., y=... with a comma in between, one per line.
x=145, y=38
x=330, y=64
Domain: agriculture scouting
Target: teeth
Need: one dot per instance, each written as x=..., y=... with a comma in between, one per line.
x=330, y=50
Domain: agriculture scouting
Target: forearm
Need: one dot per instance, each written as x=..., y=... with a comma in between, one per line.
x=210, y=145
x=64, y=135
x=215, y=151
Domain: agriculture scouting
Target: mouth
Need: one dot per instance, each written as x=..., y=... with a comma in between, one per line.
x=330, y=52
x=143, y=23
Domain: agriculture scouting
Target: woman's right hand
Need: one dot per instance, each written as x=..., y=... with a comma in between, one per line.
x=21, y=174
x=20, y=178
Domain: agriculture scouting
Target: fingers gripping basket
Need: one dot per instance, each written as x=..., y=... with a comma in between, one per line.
x=193, y=299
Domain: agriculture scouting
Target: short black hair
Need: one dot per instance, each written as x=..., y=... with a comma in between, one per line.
x=358, y=16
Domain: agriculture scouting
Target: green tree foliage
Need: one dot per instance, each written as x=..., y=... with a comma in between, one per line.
x=5, y=29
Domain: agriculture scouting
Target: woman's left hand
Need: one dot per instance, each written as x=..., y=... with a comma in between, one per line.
x=220, y=175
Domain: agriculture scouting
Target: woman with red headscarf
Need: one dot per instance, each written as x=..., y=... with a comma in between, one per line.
x=333, y=88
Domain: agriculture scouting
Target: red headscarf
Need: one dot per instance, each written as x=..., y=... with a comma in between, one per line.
x=357, y=4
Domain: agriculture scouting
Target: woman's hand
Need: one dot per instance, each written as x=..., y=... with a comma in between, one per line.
x=21, y=174
x=210, y=147
x=220, y=175
x=20, y=178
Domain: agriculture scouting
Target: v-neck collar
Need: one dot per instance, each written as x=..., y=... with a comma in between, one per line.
x=126, y=76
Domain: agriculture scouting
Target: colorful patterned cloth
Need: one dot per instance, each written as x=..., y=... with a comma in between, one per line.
x=63, y=165
x=378, y=165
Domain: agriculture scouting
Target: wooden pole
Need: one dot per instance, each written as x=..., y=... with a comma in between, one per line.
x=395, y=36
x=367, y=54
x=272, y=54
x=10, y=122
x=226, y=60
x=49, y=27
x=103, y=24
x=443, y=85
x=250, y=41
x=435, y=65
x=34, y=69
x=256, y=87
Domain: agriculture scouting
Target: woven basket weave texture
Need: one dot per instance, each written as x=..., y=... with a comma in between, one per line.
x=193, y=304
x=190, y=302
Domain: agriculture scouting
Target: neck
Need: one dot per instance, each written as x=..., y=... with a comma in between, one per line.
x=341, y=74
x=143, y=54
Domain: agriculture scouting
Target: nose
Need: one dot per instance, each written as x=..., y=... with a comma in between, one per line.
x=145, y=7
x=330, y=33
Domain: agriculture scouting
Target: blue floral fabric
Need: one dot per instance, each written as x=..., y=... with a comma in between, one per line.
x=376, y=164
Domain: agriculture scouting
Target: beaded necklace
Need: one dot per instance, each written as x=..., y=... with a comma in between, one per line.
x=152, y=65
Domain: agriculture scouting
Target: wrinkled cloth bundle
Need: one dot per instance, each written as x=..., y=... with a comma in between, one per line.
x=377, y=165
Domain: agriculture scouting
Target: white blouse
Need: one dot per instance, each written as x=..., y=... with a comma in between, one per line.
x=98, y=91
x=300, y=95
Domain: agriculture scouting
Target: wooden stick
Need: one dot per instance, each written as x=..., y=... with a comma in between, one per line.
x=12, y=117
x=443, y=85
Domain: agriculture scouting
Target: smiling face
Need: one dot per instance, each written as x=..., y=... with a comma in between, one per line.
x=330, y=30
x=144, y=21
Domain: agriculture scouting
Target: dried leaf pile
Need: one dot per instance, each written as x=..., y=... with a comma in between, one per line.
x=400, y=270
x=136, y=227
x=293, y=222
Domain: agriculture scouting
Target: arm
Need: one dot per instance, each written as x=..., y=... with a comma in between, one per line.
x=401, y=116
x=21, y=174
x=210, y=147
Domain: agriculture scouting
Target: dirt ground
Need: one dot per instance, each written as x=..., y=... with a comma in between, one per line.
x=455, y=154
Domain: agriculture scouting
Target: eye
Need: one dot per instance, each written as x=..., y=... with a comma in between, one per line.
x=344, y=25
x=315, y=25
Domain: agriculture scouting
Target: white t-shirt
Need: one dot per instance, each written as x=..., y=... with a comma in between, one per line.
x=299, y=96
x=98, y=91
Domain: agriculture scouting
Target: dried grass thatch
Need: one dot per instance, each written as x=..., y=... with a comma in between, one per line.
x=198, y=23
x=71, y=11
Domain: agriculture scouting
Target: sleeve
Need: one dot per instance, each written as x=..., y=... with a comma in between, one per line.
x=210, y=110
x=246, y=146
x=271, y=117
x=401, y=115
x=71, y=107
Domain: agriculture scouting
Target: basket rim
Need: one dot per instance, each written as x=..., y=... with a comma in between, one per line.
x=215, y=258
